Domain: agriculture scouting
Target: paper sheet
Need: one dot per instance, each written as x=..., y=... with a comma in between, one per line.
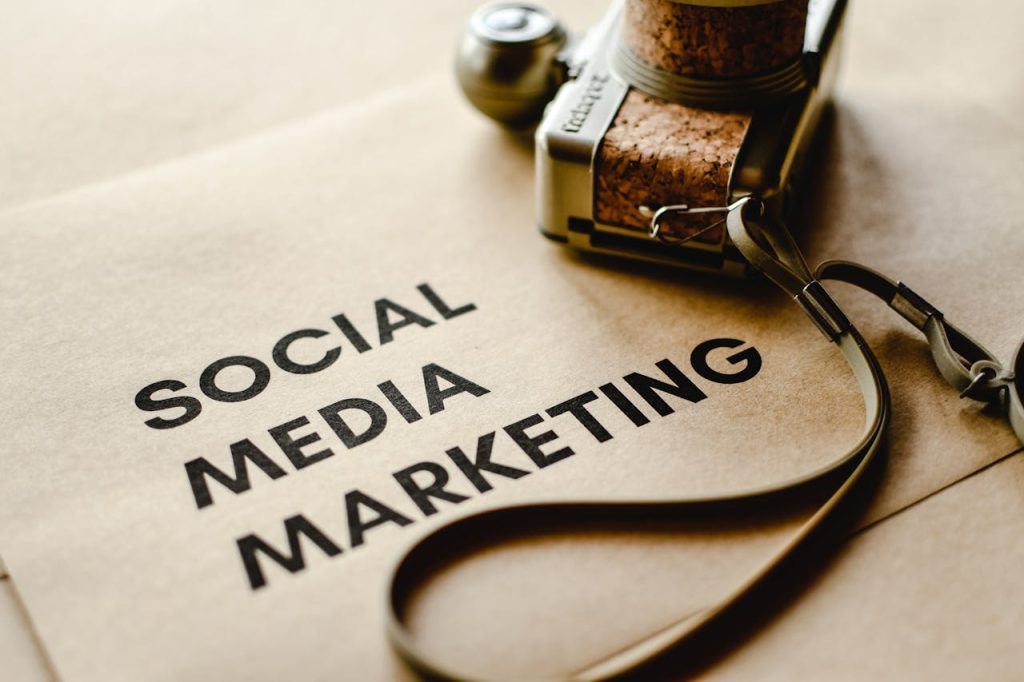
x=158, y=275
x=20, y=658
x=524, y=344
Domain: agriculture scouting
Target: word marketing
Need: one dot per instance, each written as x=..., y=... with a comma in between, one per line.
x=421, y=490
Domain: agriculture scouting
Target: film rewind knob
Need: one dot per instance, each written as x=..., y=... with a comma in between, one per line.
x=507, y=61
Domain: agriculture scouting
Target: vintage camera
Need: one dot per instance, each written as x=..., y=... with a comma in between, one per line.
x=687, y=104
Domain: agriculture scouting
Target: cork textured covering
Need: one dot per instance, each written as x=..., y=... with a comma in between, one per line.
x=657, y=153
x=715, y=42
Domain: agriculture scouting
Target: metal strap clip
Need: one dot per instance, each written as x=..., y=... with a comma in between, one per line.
x=823, y=310
x=988, y=379
x=658, y=215
x=912, y=306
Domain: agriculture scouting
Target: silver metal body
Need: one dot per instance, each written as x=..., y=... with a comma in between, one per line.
x=768, y=165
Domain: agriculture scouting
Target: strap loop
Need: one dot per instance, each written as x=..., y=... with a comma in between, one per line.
x=964, y=363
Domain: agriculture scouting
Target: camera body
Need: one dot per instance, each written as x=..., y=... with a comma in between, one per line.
x=621, y=138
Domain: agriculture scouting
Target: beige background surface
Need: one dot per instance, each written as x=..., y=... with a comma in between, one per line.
x=927, y=595
x=99, y=90
x=923, y=151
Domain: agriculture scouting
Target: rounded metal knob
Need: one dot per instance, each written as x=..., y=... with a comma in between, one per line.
x=507, y=64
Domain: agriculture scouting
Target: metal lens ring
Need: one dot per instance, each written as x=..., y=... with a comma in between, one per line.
x=707, y=93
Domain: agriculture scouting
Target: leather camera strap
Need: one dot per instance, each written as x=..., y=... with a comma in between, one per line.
x=963, y=362
x=770, y=249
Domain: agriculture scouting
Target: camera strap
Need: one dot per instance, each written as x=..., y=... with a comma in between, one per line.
x=770, y=249
x=964, y=363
